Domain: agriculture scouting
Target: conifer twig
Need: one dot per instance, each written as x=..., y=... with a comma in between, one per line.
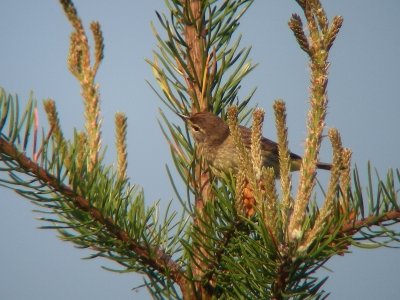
x=153, y=257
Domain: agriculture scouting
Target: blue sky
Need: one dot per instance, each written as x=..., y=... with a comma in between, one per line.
x=364, y=105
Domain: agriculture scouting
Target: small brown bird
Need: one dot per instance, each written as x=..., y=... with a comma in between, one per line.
x=212, y=136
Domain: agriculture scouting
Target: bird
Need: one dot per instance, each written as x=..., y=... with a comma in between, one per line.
x=216, y=144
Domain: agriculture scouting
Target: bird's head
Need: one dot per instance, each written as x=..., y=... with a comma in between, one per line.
x=207, y=128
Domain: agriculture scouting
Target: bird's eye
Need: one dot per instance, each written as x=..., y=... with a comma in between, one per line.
x=195, y=128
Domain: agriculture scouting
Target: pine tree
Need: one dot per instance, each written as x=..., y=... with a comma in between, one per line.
x=246, y=235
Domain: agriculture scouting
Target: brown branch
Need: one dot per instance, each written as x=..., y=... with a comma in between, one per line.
x=353, y=227
x=195, y=51
x=155, y=258
x=193, y=27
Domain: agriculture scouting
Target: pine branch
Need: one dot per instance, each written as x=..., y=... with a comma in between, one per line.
x=353, y=226
x=80, y=66
x=318, y=54
x=155, y=258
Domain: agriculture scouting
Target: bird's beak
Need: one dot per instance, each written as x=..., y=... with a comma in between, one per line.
x=184, y=118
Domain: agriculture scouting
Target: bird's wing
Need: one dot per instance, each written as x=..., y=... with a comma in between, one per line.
x=266, y=144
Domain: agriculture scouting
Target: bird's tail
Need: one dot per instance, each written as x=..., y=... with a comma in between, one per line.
x=324, y=166
x=296, y=164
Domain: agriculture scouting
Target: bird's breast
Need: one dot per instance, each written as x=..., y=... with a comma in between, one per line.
x=223, y=158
